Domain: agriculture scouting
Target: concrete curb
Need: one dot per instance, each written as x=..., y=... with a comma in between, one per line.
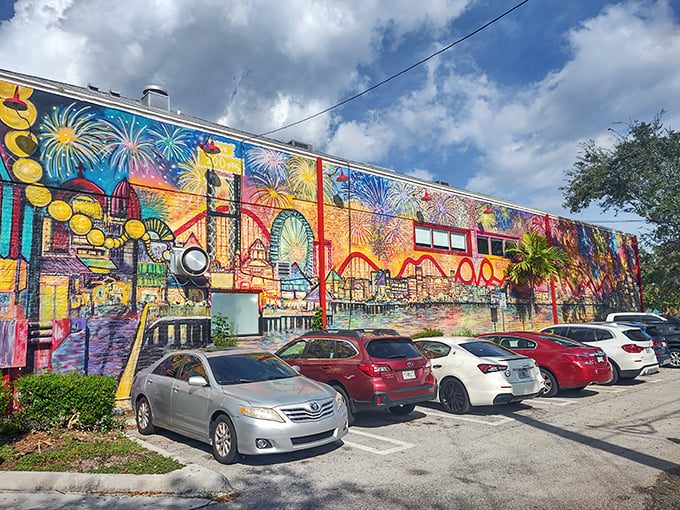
x=191, y=480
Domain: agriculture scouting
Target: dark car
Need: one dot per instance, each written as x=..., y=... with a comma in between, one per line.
x=671, y=333
x=371, y=368
x=564, y=363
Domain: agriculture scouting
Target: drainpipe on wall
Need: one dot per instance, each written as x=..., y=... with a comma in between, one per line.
x=322, y=238
x=552, y=278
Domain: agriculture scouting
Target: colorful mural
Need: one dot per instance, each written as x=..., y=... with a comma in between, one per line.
x=95, y=200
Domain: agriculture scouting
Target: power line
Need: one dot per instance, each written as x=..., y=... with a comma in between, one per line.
x=403, y=71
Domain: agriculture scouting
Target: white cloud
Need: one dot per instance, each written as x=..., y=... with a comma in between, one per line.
x=421, y=173
x=256, y=64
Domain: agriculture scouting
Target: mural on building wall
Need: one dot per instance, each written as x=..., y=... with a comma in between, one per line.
x=94, y=200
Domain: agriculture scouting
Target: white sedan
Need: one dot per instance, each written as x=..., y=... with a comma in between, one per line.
x=474, y=372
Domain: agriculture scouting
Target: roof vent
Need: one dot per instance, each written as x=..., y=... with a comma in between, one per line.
x=301, y=145
x=93, y=87
x=115, y=93
x=443, y=183
x=156, y=97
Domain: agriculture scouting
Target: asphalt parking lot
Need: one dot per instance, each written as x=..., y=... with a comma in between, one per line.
x=602, y=447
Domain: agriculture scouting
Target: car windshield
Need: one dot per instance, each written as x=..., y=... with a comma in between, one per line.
x=487, y=349
x=249, y=367
x=564, y=342
x=392, y=348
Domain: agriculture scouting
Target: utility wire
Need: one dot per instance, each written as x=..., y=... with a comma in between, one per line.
x=403, y=71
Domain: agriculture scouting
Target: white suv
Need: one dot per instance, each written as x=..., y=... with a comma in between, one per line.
x=629, y=351
x=636, y=317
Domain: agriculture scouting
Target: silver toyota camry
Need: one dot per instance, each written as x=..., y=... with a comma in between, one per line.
x=240, y=401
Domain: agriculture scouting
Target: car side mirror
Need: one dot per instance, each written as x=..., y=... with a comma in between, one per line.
x=296, y=368
x=197, y=380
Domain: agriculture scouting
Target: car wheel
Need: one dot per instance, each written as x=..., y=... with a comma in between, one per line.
x=454, y=396
x=551, y=386
x=675, y=358
x=223, y=438
x=350, y=414
x=402, y=409
x=615, y=374
x=143, y=417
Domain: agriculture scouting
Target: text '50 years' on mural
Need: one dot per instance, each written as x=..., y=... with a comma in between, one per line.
x=126, y=226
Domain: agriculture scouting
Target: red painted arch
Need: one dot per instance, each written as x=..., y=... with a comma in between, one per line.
x=409, y=260
x=353, y=255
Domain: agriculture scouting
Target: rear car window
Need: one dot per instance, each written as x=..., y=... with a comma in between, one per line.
x=636, y=335
x=169, y=366
x=486, y=349
x=560, y=340
x=433, y=350
x=392, y=348
x=321, y=349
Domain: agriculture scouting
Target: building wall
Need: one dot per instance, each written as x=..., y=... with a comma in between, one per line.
x=94, y=197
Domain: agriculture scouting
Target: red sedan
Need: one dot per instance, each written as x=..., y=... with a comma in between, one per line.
x=564, y=363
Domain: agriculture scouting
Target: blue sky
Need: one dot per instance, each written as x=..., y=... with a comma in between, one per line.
x=502, y=113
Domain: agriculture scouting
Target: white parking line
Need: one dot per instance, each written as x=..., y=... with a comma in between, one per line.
x=551, y=401
x=494, y=423
x=606, y=389
x=402, y=445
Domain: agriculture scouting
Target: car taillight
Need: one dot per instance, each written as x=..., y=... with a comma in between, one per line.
x=134, y=379
x=632, y=348
x=374, y=370
x=428, y=367
x=577, y=358
x=486, y=368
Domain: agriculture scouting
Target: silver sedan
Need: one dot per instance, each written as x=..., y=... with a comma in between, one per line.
x=240, y=401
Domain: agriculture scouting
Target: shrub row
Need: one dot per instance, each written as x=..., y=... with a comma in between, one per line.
x=52, y=400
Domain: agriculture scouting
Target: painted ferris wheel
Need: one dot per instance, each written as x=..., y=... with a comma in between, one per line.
x=292, y=240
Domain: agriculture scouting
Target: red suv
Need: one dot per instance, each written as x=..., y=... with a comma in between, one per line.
x=371, y=368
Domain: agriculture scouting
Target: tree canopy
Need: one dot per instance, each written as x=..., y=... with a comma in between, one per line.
x=639, y=174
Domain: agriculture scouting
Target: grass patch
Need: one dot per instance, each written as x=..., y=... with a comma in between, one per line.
x=81, y=452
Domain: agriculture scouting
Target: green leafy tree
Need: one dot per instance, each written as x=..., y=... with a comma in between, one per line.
x=639, y=174
x=532, y=261
x=224, y=331
x=661, y=280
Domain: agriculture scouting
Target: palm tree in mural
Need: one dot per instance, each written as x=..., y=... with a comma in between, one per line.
x=532, y=261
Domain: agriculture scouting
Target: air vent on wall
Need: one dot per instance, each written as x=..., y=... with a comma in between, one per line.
x=301, y=145
x=443, y=183
x=282, y=270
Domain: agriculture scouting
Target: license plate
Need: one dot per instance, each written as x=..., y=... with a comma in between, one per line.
x=408, y=374
x=523, y=373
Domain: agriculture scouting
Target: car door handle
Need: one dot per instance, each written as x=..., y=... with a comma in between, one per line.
x=436, y=366
x=326, y=367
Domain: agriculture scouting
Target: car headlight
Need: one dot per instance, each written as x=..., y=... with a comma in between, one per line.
x=261, y=413
x=339, y=400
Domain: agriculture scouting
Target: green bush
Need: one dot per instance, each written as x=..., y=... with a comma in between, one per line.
x=317, y=320
x=74, y=401
x=224, y=331
x=427, y=333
